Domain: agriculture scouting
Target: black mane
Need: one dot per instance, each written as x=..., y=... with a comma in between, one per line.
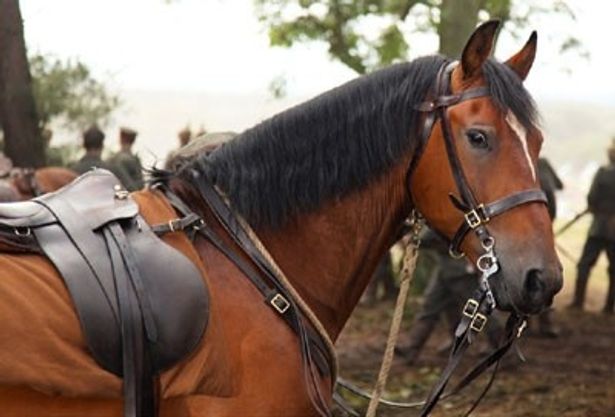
x=335, y=143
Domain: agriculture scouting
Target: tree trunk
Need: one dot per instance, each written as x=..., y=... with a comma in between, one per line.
x=457, y=21
x=22, y=141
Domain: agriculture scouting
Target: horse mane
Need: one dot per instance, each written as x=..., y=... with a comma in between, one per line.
x=335, y=143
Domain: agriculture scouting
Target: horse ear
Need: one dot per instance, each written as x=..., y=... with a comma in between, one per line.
x=522, y=61
x=478, y=48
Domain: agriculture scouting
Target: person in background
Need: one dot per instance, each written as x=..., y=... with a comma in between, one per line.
x=184, y=136
x=550, y=183
x=125, y=163
x=93, y=143
x=601, y=235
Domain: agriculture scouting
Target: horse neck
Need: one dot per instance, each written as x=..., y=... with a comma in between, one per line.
x=330, y=255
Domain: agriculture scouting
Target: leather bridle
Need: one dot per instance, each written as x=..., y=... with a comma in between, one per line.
x=476, y=217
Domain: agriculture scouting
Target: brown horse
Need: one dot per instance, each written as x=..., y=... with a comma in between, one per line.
x=30, y=183
x=326, y=186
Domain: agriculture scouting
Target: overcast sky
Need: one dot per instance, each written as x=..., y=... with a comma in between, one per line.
x=219, y=46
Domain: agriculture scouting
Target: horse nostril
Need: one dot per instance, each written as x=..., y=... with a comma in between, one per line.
x=535, y=287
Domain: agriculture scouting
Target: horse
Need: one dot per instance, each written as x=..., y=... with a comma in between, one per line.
x=324, y=186
x=30, y=183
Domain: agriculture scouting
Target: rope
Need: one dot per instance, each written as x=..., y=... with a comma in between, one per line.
x=407, y=272
x=314, y=321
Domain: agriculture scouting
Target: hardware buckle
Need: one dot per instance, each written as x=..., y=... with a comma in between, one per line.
x=478, y=322
x=280, y=303
x=471, y=308
x=476, y=217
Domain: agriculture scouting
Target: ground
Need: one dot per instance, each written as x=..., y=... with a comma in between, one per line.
x=571, y=376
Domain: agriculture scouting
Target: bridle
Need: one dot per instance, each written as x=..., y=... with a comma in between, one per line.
x=476, y=217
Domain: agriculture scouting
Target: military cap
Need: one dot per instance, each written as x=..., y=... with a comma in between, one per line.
x=127, y=134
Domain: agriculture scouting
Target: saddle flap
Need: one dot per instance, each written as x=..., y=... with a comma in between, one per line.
x=24, y=214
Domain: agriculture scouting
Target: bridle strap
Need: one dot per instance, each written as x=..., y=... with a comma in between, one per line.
x=476, y=214
x=484, y=213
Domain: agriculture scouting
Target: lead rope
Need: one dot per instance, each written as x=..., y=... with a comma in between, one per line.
x=411, y=250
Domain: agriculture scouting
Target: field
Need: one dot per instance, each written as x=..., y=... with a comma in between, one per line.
x=571, y=376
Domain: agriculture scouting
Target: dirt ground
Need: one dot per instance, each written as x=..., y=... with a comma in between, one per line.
x=570, y=376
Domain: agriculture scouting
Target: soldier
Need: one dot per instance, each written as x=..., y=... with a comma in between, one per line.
x=451, y=283
x=184, y=136
x=126, y=164
x=93, y=139
x=601, y=236
x=550, y=183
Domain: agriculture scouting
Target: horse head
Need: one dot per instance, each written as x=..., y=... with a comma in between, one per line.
x=478, y=169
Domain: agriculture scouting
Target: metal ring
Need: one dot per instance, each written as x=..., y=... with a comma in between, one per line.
x=26, y=233
x=488, y=243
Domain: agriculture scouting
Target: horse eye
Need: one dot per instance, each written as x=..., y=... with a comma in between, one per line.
x=477, y=138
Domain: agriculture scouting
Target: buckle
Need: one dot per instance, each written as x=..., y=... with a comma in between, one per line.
x=471, y=308
x=280, y=303
x=478, y=322
x=476, y=217
x=175, y=225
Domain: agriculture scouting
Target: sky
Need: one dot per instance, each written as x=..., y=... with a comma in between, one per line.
x=219, y=46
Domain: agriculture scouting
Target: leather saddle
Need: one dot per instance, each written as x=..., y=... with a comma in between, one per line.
x=142, y=305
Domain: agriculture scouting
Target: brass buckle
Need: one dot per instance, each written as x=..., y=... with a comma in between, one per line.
x=476, y=217
x=280, y=303
x=478, y=322
x=471, y=308
x=174, y=225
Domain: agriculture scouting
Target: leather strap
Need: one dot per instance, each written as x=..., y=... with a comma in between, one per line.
x=313, y=350
x=487, y=212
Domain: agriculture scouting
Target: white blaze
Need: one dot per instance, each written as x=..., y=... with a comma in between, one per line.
x=521, y=133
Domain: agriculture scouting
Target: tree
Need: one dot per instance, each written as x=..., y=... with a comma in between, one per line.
x=66, y=91
x=368, y=34
x=22, y=141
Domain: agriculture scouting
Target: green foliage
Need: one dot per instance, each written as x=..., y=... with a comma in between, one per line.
x=66, y=90
x=366, y=34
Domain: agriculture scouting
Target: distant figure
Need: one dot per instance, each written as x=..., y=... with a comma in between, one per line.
x=52, y=154
x=93, y=143
x=184, y=136
x=601, y=236
x=125, y=163
x=550, y=183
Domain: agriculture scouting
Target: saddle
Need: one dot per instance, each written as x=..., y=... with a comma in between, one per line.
x=142, y=305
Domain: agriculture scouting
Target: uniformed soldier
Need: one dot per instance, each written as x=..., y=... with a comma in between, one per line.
x=601, y=236
x=126, y=164
x=550, y=183
x=93, y=143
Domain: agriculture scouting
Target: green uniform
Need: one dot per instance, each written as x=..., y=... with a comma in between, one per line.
x=129, y=169
x=87, y=162
x=601, y=237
